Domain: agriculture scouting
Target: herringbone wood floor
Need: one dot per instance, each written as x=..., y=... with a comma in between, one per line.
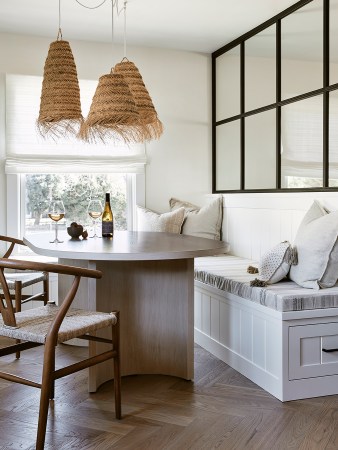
x=220, y=410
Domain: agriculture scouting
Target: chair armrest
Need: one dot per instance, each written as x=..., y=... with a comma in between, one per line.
x=12, y=240
x=49, y=267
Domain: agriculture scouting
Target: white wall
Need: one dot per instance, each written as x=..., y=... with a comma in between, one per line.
x=180, y=86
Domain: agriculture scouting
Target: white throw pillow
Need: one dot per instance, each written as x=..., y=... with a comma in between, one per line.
x=316, y=243
x=201, y=222
x=170, y=222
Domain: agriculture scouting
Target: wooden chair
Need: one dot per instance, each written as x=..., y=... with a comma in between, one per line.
x=50, y=325
x=17, y=281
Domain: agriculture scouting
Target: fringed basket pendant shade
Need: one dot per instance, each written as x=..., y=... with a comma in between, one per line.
x=113, y=113
x=151, y=124
x=60, y=108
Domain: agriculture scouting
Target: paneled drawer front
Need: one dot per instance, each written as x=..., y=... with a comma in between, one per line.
x=306, y=356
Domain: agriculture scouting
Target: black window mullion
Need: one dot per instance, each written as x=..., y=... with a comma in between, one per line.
x=213, y=120
x=278, y=99
x=242, y=108
x=326, y=95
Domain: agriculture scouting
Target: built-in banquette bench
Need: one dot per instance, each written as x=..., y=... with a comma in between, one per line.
x=275, y=335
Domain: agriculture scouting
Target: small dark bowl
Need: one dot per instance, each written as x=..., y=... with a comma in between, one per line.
x=75, y=232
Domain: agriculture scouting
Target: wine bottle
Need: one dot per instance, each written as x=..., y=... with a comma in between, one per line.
x=107, y=219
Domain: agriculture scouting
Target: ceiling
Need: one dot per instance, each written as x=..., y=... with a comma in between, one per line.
x=194, y=25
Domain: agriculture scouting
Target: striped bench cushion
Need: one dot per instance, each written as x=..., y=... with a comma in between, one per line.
x=228, y=273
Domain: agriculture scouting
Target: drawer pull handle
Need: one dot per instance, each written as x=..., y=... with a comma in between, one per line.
x=329, y=350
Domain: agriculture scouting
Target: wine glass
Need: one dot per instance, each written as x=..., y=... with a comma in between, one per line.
x=56, y=212
x=95, y=210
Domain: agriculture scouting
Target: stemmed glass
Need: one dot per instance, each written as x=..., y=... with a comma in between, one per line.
x=56, y=212
x=95, y=210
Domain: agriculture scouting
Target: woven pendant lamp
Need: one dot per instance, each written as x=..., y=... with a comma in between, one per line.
x=113, y=113
x=60, y=108
x=152, y=127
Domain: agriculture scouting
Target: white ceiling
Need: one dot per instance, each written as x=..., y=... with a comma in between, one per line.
x=195, y=25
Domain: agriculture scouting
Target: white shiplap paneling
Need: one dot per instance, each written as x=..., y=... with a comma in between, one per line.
x=254, y=223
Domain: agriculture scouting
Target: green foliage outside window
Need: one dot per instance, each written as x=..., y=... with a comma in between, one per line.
x=75, y=190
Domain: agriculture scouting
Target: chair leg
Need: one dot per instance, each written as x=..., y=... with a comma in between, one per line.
x=117, y=388
x=17, y=299
x=52, y=387
x=117, y=371
x=46, y=289
x=46, y=388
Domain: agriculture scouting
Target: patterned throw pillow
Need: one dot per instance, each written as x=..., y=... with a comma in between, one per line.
x=275, y=264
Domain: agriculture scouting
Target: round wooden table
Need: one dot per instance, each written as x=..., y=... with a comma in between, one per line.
x=149, y=278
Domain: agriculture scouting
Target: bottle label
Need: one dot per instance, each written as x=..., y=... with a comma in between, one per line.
x=107, y=227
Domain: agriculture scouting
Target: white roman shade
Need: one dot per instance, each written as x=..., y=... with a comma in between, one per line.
x=302, y=138
x=28, y=152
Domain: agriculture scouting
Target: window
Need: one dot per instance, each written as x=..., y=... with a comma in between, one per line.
x=76, y=190
x=37, y=168
x=275, y=104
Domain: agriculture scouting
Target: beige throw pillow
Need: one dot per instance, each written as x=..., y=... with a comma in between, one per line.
x=201, y=222
x=170, y=222
x=317, y=248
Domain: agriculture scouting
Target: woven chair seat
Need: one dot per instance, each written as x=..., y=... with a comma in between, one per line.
x=27, y=278
x=33, y=324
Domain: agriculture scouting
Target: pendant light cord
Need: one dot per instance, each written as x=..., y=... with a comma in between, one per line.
x=125, y=29
x=112, y=26
x=115, y=4
x=59, y=36
x=91, y=7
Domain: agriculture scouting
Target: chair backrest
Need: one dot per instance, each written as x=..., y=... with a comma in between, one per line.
x=12, y=242
x=6, y=307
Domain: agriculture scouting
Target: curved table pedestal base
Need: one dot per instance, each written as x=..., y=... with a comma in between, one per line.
x=156, y=304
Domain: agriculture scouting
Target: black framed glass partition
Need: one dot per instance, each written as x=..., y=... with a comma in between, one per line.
x=275, y=104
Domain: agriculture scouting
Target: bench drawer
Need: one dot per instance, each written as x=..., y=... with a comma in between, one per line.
x=306, y=356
